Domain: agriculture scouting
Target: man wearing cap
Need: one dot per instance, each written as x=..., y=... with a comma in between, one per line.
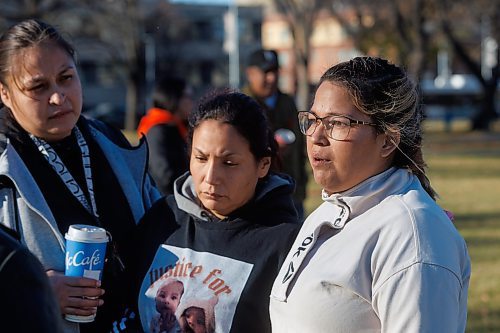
x=262, y=74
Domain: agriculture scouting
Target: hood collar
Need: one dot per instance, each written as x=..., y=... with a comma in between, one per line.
x=370, y=192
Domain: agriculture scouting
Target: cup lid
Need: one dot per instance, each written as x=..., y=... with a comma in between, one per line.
x=87, y=233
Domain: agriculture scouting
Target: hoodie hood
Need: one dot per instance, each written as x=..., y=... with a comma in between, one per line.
x=273, y=195
x=205, y=304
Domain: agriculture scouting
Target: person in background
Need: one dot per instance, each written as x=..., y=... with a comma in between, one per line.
x=25, y=289
x=379, y=255
x=165, y=128
x=262, y=74
x=64, y=170
x=227, y=227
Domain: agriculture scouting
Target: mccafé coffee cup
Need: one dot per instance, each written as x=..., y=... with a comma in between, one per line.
x=85, y=254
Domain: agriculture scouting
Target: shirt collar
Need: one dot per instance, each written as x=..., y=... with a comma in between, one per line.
x=371, y=191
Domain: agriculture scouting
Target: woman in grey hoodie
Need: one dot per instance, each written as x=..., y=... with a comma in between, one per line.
x=61, y=169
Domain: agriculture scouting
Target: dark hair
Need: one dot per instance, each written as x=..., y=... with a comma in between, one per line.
x=242, y=112
x=26, y=34
x=384, y=92
x=167, y=93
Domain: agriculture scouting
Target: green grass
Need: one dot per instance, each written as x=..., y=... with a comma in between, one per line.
x=464, y=168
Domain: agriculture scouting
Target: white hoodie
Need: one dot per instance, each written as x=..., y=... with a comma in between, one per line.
x=380, y=257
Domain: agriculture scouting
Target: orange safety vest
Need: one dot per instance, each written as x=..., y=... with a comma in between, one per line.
x=156, y=116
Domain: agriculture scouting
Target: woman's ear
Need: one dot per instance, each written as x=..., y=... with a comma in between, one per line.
x=389, y=144
x=263, y=167
x=4, y=95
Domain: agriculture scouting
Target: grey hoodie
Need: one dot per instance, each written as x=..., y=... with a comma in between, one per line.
x=24, y=209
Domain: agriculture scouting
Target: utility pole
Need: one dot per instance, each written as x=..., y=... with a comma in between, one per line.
x=231, y=43
x=150, y=58
x=489, y=48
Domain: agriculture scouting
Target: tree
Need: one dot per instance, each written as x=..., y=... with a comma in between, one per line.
x=395, y=29
x=460, y=23
x=120, y=26
x=411, y=31
x=14, y=11
x=300, y=16
x=116, y=26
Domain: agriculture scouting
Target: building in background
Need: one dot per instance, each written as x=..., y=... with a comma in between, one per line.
x=188, y=43
x=329, y=46
x=191, y=44
x=181, y=37
x=195, y=46
x=121, y=51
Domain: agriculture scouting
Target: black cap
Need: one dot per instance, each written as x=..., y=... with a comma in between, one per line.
x=266, y=60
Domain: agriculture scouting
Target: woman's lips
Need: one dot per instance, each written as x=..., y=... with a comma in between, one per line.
x=213, y=196
x=60, y=114
x=319, y=161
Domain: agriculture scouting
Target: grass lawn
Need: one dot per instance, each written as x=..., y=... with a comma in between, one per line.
x=464, y=168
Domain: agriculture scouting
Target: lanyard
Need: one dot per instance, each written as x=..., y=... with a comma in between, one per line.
x=57, y=164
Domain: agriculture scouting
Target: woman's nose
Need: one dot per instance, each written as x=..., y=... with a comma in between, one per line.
x=319, y=136
x=57, y=98
x=212, y=175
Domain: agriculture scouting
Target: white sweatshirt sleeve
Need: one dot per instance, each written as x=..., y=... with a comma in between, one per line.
x=421, y=298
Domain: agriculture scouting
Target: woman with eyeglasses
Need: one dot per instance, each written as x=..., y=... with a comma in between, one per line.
x=378, y=255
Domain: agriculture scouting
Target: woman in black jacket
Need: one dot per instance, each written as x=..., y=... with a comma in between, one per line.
x=25, y=290
x=216, y=244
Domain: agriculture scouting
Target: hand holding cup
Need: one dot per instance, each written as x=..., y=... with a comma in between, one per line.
x=76, y=295
x=79, y=288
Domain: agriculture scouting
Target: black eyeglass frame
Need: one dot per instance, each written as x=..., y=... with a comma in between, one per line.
x=329, y=132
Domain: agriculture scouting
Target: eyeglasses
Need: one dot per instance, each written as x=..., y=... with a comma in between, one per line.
x=337, y=127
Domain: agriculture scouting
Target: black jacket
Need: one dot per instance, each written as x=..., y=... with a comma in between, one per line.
x=168, y=157
x=228, y=264
x=284, y=115
x=28, y=304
